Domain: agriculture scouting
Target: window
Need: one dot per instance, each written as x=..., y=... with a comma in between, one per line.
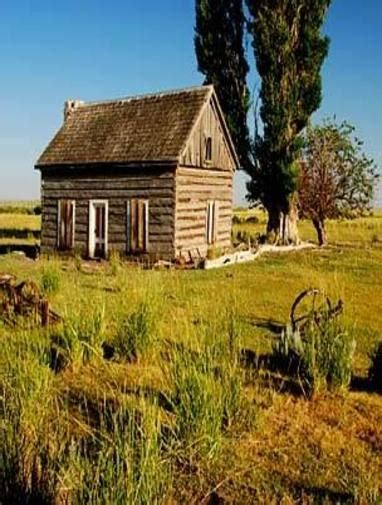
x=211, y=221
x=208, y=153
x=137, y=226
x=66, y=222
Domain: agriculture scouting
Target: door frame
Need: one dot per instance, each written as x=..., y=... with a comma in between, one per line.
x=92, y=241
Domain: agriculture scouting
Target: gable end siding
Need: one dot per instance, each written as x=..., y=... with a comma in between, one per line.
x=208, y=126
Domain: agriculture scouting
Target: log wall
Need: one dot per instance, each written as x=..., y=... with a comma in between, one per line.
x=117, y=186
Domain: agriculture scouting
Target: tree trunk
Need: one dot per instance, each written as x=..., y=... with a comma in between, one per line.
x=289, y=230
x=321, y=232
x=273, y=224
x=281, y=227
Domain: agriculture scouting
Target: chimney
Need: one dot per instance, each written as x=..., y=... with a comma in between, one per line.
x=70, y=106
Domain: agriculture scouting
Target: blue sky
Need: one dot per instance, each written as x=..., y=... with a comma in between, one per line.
x=93, y=49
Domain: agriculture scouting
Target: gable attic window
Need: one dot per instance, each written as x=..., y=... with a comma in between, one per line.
x=208, y=153
x=66, y=224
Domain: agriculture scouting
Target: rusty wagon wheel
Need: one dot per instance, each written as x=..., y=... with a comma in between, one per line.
x=312, y=305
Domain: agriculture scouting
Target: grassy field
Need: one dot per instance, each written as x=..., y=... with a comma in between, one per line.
x=180, y=412
x=19, y=227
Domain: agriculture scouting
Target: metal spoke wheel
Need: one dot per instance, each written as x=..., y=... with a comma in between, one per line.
x=311, y=306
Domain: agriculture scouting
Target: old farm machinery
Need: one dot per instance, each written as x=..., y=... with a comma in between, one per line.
x=21, y=301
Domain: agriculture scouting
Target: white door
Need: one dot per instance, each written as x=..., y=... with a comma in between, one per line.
x=98, y=228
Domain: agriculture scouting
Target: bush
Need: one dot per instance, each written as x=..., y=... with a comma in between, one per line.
x=50, y=280
x=322, y=358
x=136, y=332
x=375, y=371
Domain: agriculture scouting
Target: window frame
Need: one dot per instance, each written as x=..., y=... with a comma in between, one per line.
x=212, y=220
x=134, y=227
x=208, y=149
x=60, y=246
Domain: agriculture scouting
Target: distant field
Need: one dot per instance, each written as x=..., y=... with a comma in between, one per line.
x=84, y=426
x=18, y=223
x=360, y=231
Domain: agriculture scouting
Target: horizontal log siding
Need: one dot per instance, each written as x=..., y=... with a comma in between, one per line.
x=156, y=185
x=194, y=188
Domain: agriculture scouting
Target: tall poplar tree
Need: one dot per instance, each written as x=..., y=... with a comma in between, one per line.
x=289, y=50
x=219, y=46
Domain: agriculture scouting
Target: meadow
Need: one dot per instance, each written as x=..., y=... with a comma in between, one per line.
x=152, y=389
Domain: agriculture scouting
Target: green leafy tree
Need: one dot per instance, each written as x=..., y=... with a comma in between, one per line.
x=289, y=51
x=219, y=46
x=337, y=180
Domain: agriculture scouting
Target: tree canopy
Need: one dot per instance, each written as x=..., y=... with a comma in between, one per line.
x=337, y=180
x=219, y=46
x=289, y=51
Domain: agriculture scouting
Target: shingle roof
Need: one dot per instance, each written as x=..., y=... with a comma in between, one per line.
x=151, y=128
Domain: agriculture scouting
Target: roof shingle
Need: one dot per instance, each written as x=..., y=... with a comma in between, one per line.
x=151, y=128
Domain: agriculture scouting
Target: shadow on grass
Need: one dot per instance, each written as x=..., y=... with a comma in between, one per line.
x=280, y=374
x=31, y=251
x=271, y=325
x=20, y=233
x=323, y=496
x=363, y=385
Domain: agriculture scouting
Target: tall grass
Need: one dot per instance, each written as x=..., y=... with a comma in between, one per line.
x=50, y=281
x=136, y=332
x=322, y=357
x=80, y=339
x=50, y=452
x=206, y=386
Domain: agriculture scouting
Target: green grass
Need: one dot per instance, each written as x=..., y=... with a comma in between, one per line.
x=20, y=221
x=187, y=421
x=362, y=231
x=19, y=229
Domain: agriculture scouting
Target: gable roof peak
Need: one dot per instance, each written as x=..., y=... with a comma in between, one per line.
x=151, y=128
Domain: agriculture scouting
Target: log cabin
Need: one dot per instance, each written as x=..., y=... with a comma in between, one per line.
x=148, y=176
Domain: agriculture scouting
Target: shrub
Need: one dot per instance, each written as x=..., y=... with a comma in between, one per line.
x=50, y=280
x=322, y=357
x=375, y=371
x=135, y=334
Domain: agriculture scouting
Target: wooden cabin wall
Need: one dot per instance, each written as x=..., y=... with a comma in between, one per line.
x=117, y=186
x=208, y=125
x=194, y=188
x=199, y=181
